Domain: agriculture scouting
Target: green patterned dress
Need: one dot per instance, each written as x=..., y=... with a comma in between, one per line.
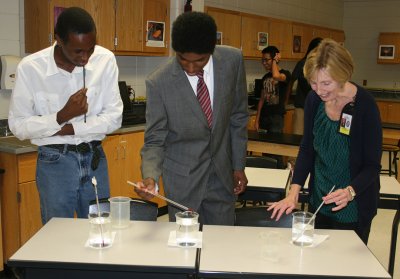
x=331, y=166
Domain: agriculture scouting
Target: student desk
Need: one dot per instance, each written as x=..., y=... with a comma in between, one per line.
x=274, y=143
x=140, y=251
x=264, y=183
x=235, y=252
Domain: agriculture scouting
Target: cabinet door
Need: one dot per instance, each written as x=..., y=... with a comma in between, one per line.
x=29, y=210
x=393, y=113
x=37, y=25
x=388, y=39
x=128, y=25
x=383, y=110
x=103, y=14
x=251, y=27
x=280, y=35
x=302, y=34
x=321, y=32
x=156, y=11
x=288, y=122
x=229, y=24
x=338, y=36
x=113, y=153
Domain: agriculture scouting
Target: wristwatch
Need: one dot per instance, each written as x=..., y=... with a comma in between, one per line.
x=352, y=193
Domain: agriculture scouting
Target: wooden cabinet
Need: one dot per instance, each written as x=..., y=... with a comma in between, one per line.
x=132, y=17
x=123, y=156
x=288, y=121
x=388, y=55
x=389, y=111
x=251, y=26
x=229, y=24
x=252, y=122
x=19, y=199
x=303, y=33
x=280, y=35
x=121, y=24
x=241, y=30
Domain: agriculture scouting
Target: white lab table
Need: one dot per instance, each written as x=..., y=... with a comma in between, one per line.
x=140, y=251
x=235, y=252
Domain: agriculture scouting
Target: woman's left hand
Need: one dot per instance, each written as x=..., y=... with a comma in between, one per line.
x=340, y=197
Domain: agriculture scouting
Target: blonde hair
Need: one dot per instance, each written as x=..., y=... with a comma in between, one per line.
x=333, y=58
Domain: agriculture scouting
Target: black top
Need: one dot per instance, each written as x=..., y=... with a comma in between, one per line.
x=278, y=89
x=303, y=87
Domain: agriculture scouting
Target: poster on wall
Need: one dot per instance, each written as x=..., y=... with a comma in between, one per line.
x=219, y=38
x=262, y=40
x=155, y=34
x=386, y=51
x=57, y=12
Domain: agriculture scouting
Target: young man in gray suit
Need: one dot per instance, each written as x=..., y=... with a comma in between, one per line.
x=196, y=133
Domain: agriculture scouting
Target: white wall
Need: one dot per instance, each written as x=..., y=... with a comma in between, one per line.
x=9, y=42
x=362, y=22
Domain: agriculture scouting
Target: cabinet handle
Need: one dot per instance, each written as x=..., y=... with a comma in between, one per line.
x=116, y=156
x=124, y=148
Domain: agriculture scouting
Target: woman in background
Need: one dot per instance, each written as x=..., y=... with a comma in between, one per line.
x=345, y=157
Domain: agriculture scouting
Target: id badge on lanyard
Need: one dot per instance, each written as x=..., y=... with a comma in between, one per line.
x=346, y=118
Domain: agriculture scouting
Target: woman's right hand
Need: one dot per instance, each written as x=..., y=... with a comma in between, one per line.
x=287, y=204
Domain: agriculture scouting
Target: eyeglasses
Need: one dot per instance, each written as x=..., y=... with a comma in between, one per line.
x=265, y=60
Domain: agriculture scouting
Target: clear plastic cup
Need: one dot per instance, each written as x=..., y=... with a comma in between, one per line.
x=303, y=228
x=187, y=227
x=100, y=230
x=120, y=208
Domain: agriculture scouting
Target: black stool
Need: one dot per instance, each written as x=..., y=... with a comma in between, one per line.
x=392, y=150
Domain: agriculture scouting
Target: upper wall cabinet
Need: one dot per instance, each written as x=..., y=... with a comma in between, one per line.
x=228, y=26
x=280, y=35
x=142, y=26
x=302, y=35
x=388, y=48
x=122, y=25
x=252, y=32
x=255, y=31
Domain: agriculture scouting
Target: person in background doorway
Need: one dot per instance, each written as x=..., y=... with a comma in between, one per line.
x=271, y=106
x=303, y=87
x=196, y=123
x=348, y=158
x=65, y=100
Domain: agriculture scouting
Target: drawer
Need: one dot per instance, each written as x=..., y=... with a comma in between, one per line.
x=27, y=167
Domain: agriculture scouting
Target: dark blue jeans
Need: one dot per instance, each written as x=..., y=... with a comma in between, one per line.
x=64, y=182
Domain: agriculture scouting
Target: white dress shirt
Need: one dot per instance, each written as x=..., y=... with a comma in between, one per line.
x=208, y=77
x=42, y=90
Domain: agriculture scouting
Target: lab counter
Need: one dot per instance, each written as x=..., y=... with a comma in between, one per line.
x=11, y=144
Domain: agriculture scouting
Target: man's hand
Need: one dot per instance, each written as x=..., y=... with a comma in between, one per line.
x=239, y=181
x=75, y=106
x=147, y=187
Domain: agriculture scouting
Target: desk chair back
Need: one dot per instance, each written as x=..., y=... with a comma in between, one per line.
x=140, y=210
x=261, y=162
x=260, y=217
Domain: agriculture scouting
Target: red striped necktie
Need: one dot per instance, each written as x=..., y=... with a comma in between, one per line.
x=204, y=97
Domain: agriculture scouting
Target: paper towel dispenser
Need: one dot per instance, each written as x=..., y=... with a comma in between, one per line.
x=8, y=67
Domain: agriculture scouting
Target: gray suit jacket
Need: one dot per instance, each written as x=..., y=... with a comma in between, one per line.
x=178, y=142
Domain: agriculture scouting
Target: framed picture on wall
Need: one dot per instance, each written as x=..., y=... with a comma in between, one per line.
x=262, y=40
x=219, y=38
x=386, y=51
x=296, y=44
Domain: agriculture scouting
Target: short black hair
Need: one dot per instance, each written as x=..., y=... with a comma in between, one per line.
x=194, y=32
x=272, y=50
x=74, y=20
